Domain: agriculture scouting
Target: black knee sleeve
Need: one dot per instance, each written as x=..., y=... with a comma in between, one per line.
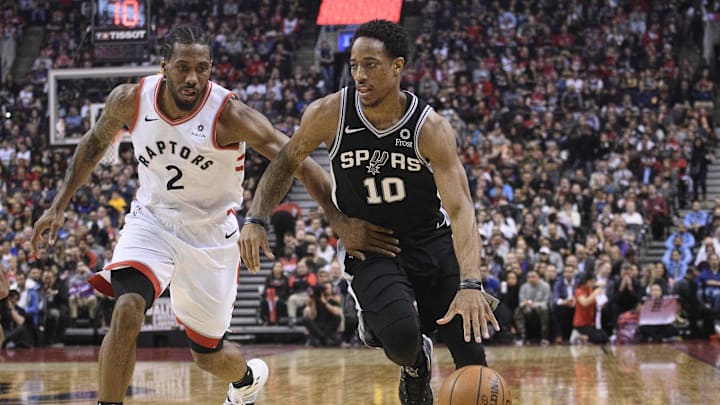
x=398, y=330
x=129, y=280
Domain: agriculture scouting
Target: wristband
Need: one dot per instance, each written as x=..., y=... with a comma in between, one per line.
x=252, y=219
x=471, y=284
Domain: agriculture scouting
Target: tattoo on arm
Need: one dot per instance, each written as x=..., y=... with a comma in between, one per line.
x=274, y=184
x=88, y=153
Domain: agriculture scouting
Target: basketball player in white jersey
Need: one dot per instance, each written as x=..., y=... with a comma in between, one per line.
x=189, y=138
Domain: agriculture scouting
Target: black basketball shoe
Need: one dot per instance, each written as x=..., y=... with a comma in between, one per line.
x=415, y=382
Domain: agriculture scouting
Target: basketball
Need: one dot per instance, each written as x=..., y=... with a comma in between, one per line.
x=474, y=385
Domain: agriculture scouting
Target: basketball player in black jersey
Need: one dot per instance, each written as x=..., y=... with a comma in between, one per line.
x=394, y=164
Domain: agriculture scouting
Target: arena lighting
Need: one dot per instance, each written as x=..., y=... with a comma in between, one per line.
x=350, y=12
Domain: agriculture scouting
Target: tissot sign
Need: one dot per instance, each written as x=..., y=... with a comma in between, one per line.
x=121, y=35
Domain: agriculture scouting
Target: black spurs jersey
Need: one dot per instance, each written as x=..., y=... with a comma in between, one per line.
x=379, y=175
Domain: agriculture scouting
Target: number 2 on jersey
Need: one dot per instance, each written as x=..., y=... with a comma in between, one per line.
x=178, y=175
x=392, y=188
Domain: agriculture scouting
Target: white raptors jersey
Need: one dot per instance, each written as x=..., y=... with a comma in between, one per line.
x=184, y=175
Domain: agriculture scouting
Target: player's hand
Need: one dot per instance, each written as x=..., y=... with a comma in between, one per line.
x=52, y=219
x=475, y=312
x=360, y=236
x=252, y=238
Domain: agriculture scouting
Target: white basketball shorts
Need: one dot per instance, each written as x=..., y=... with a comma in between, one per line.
x=200, y=260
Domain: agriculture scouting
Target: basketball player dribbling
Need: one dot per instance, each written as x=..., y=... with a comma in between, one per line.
x=189, y=137
x=394, y=163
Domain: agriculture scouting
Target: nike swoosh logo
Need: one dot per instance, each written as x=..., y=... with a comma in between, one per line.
x=349, y=130
x=150, y=119
x=231, y=234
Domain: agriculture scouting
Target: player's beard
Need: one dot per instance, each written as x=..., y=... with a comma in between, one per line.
x=181, y=103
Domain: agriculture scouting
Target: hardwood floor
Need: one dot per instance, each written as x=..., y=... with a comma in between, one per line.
x=683, y=373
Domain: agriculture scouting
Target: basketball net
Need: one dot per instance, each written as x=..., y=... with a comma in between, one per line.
x=112, y=155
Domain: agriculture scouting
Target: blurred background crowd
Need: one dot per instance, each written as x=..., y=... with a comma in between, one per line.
x=586, y=129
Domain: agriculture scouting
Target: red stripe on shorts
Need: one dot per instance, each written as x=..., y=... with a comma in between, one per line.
x=199, y=339
x=142, y=268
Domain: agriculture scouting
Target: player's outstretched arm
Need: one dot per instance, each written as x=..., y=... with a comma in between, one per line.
x=438, y=146
x=288, y=158
x=119, y=111
x=243, y=123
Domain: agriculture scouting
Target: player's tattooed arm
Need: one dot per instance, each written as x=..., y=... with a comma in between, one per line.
x=315, y=128
x=119, y=112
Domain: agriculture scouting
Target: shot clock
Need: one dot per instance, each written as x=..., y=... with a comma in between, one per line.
x=120, y=30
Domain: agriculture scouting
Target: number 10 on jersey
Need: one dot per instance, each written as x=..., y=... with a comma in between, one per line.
x=392, y=189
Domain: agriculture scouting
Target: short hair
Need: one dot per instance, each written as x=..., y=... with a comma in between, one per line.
x=394, y=37
x=585, y=277
x=187, y=34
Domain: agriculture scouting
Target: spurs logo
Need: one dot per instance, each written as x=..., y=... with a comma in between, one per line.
x=377, y=161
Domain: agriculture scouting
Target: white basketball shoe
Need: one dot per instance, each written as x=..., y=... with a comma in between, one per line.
x=248, y=394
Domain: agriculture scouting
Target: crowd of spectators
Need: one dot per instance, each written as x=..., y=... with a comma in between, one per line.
x=582, y=129
x=584, y=133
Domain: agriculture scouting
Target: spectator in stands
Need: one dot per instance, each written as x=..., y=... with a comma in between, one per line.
x=695, y=221
x=550, y=256
x=314, y=261
x=657, y=316
x=300, y=284
x=54, y=312
x=698, y=314
x=326, y=58
x=680, y=239
x=82, y=295
x=676, y=263
x=708, y=246
x=29, y=302
x=584, y=329
x=563, y=304
x=627, y=292
x=12, y=321
x=273, y=305
x=700, y=158
x=324, y=249
x=533, y=301
x=86, y=255
x=585, y=261
x=322, y=316
x=283, y=221
x=709, y=284
x=658, y=213
x=654, y=273
x=289, y=259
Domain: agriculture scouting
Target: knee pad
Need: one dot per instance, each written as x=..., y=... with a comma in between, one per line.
x=401, y=341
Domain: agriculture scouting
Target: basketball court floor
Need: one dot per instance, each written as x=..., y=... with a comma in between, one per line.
x=678, y=373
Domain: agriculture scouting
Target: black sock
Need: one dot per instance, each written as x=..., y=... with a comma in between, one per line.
x=109, y=403
x=421, y=361
x=246, y=380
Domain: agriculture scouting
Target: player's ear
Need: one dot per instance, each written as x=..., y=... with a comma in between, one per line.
x=163, y=67
x=398, y=64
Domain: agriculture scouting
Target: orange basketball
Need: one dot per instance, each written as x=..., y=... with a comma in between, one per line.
x=475, y=385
